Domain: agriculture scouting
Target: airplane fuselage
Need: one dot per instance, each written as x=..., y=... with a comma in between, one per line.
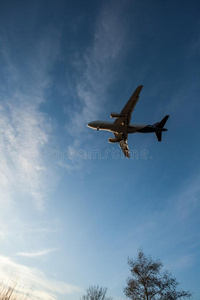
x=121, y=127
x=132, y=128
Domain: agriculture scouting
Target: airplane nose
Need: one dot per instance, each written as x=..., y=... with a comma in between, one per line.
x=93, y=124
x=89, y=124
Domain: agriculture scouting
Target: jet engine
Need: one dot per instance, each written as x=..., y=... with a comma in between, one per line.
x=114, y=140
x=115, y=115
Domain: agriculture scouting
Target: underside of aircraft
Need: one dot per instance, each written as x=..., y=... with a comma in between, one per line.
x=121, y=127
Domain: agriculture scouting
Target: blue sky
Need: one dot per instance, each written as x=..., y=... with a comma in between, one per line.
x=72, y=209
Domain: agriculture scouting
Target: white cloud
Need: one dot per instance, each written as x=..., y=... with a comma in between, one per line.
x=184, y=261
x=181, y=262
x=98, y=66
x=33, y=279
x=23, y=134
x=96, y=69
x=188, y=198
x=24, y=129
x=2, y=234
x=37, y=253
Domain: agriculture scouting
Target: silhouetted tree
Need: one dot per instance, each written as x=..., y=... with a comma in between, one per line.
x=95, y=293
x=149, y=283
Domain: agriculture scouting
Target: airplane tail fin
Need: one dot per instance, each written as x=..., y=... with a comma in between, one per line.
x=161, y=124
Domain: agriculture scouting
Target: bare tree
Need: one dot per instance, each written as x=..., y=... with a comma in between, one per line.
x=149, y=283
x=95, y=292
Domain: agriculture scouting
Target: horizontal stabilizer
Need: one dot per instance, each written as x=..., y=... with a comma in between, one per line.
x=159, y=135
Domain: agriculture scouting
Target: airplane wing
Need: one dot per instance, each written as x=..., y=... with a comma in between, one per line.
x=129, y=107
x=123, y=143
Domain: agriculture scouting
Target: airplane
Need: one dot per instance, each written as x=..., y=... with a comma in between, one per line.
x=121, y=127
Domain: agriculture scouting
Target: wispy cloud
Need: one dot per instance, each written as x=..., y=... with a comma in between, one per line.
x=184, y=261
x=24, y=129
x=97, y=65
x=37, y=253
x=95, y=73
x=2, y=234
x=22, y=137
x=187, y=200
x=181, y=262
x=42, y=287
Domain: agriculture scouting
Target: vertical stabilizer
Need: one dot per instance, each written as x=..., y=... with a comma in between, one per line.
x=161, y=124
